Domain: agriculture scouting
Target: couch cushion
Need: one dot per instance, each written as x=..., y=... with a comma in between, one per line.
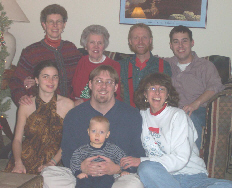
x=223, y=65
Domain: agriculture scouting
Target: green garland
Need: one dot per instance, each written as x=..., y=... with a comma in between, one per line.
x=4, y=105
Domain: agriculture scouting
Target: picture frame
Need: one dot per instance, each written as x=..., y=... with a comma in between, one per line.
x=190, y=13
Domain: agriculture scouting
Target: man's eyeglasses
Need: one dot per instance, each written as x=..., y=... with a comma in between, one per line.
x=154, y=89
x=58, y=22
x=100, y=82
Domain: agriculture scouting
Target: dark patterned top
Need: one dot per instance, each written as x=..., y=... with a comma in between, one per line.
x=43, y=134
x=108, y=150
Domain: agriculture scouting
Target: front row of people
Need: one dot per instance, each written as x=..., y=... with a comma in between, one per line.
x=170, y=157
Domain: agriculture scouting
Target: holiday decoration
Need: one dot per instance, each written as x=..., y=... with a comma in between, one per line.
x=2, y=42
x=85, y=92
x=4, y=103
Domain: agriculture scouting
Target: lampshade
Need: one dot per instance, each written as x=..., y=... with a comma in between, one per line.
x=13, y=11
x=138, y=13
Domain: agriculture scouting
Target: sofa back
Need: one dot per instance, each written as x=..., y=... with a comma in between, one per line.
x=222, y=63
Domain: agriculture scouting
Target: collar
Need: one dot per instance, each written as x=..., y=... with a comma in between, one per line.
x=140, y=64
x=52, y=43
x=102, y=59
x=158, y=112
x=104, y=144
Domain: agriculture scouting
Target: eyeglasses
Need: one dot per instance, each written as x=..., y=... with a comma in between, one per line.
x=58, y=22
x=154, y=89
x=100, y=82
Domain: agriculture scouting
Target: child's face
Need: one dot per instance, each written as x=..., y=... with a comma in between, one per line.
x=98, y=132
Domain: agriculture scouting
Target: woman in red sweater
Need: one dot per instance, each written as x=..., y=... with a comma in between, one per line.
x=94, y=39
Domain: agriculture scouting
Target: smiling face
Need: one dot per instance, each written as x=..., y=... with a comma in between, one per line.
x=103, y=88
x=156, y=95
x=98, y=132
x=48, y=80
x=181, y=46
x=95, y=47
x=54, y=26
x=140, y=41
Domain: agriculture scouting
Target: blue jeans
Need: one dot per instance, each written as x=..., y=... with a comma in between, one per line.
x=199, y=118
x=154, y=175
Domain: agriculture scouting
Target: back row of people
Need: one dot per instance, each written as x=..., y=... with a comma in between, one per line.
x=204, y=79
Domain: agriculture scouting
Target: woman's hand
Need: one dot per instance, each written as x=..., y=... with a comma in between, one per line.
x=45, y=165
x=19, y=168
x=29, y=82
x=25, y=100
x=130, y=161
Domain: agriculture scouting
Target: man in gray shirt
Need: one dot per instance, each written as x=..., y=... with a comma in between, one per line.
x=195, y=79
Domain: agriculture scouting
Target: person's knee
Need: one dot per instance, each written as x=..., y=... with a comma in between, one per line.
x=128, y=181
x=146, y=167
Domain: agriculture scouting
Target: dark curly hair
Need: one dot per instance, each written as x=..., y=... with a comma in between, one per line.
x=151, y=80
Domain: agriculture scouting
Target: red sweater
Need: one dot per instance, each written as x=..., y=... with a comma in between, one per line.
x=81, y=77
x=66, y=56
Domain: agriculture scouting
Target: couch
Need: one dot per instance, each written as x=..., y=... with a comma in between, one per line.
x=216, y=137
x=216, y=147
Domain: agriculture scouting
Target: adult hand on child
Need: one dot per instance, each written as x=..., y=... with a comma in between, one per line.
x=108, y=167
x=89, y=167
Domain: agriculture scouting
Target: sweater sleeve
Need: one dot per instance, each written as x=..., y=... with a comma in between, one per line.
x=68, y=139
x=181, y=144
x=212, y=78
x=23, y=70
x=75, y=162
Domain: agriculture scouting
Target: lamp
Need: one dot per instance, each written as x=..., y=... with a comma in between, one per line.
x=138, y=13
x=14, y=13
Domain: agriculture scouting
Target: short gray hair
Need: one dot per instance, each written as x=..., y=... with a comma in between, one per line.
x=94, y=29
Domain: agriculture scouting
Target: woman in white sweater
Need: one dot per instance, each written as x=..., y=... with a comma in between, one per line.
x=168, y=137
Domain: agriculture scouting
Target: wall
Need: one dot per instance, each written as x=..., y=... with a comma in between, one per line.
x=215, y=39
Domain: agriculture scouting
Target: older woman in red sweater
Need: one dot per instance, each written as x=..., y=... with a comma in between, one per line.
x=94, y=39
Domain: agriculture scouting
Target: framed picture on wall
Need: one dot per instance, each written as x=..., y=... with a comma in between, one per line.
x=190, y=13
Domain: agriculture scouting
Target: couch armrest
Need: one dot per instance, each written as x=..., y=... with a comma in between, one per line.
x=216, y=140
